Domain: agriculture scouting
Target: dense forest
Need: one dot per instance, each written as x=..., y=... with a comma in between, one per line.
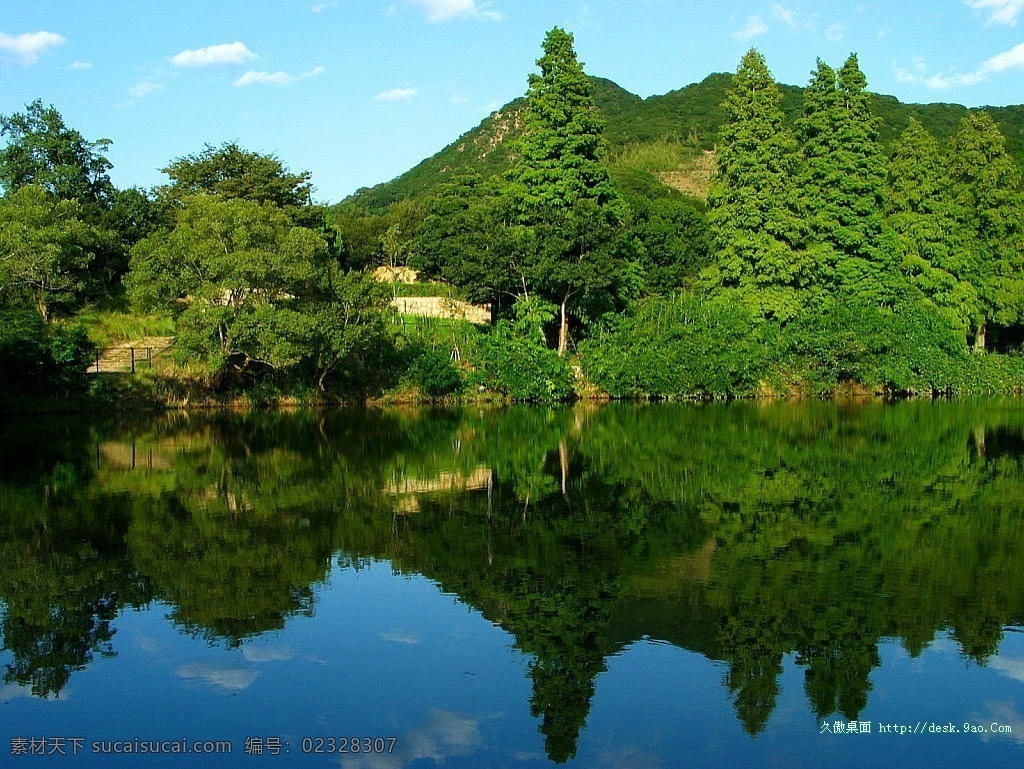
x=734, y=238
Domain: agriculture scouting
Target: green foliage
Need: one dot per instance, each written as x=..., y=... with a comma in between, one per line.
x=515, y=360
x=70, y=351
x=906, y=349
x=753, y=212
x=432, y=371
x=652, y=156
x=41, y=150
x=665, y=237
x=107, y=327
x=465, y=240
x=45, y=250
x=40, y=359
x=680, y=346
x=360, y=232
x=231, y=172
x=253, y=293
x=923, y=219
x=842, y=182
x=990, y=209
x=561, y=147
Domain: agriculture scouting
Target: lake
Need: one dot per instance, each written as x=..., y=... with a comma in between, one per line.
x=745, y=584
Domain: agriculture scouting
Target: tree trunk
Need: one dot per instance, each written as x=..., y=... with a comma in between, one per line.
x=979, y=338
x=563, y=461
x=563, y=329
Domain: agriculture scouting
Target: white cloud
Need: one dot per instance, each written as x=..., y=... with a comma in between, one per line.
x=80, y=65
x=1008, y=666
x=444, y=10
x=264, y=78
x=323, y=6
x=144, y=88
x=459, y=99
x=1007, y=61
x=225, y=53
x=225, y=678
x=26, y=48
x=785, y=15
x=396, y=94
x=1000, y=11
x=753, y=28
x=915, y=75
x=940, y=82
x=444, y=735
x=835, y=33
x=399, y=637
x=13, y=692
x=253, y=77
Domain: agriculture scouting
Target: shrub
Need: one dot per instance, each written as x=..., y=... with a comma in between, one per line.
x=521, y=366
x=434, y=373
x=681, y=346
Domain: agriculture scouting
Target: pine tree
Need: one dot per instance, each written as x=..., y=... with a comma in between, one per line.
x=755, y=230
x=921, y=217
x=560, y=190
x=990, y=211
x=562, y=145
x=843, y=182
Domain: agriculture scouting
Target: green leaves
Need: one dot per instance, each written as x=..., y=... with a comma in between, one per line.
x=41, y=150
x=561, y=146
x=45, y=250
x=752, y=208
x=254, y=291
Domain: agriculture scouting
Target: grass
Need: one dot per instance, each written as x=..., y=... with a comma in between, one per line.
x=426, y=288
x=108, y=327
x=654, y=156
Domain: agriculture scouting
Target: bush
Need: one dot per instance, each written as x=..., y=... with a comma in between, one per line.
x=681, y=346
x=906, y=349
x=434, y=373
x=521, y=366
x=37, y=359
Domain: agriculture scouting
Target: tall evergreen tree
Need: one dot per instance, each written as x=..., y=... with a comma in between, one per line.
x=991, y=213
x=843, y=182
x=921, y=217
x=755, y=230
x=562, y=146
x=560, y=190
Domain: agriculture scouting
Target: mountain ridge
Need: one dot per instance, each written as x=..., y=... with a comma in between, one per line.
x=686, y=120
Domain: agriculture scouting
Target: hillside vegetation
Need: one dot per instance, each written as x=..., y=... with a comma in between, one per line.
x=672, y=127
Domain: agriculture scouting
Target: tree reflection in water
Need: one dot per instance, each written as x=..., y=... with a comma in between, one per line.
x=744, y=532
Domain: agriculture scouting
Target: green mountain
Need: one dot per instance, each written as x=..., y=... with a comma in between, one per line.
x=666, y=136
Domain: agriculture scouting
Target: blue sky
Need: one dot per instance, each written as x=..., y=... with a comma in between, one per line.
x=358, y=91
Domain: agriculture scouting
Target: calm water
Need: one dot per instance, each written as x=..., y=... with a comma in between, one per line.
x=619, y=586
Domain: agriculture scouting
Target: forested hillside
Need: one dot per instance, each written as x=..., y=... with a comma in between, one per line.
x=683, y=121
